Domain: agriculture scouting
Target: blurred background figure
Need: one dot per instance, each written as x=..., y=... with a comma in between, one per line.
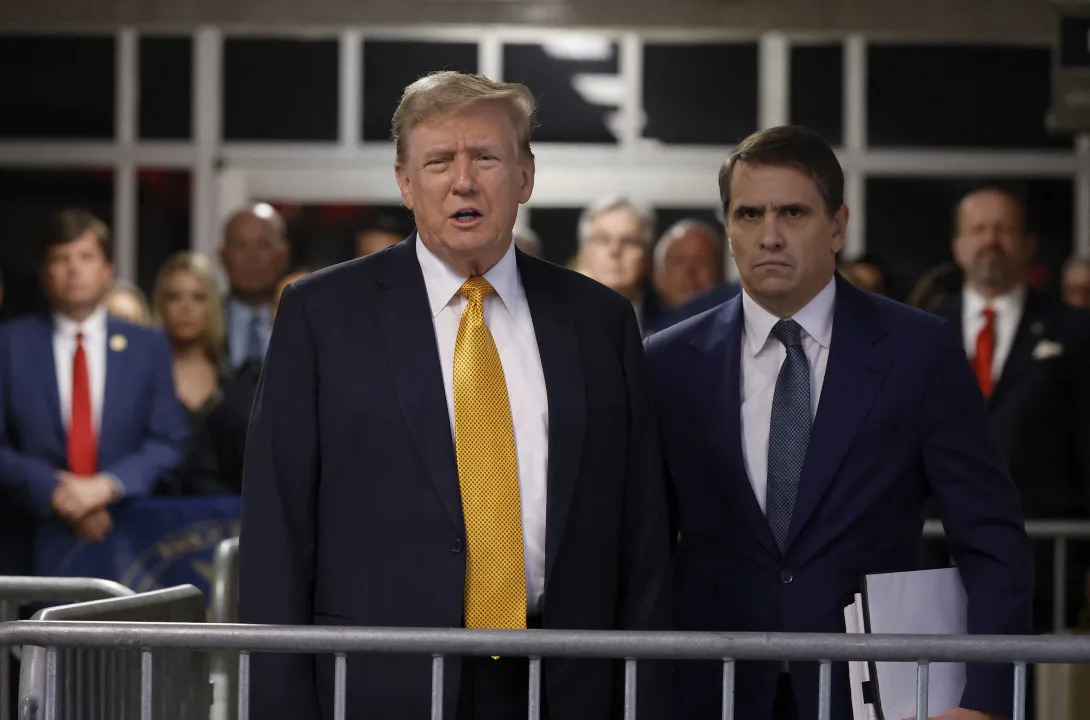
x=688, y=260
x=255, y=256
x=380, y=233
x=865, y=274
x=287, y=280
x=1076, y=282
x=615, y=236
x=127, y=301
x=1031, y=356
x=527, y=241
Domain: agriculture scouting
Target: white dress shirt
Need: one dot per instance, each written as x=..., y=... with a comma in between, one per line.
x=762, y=356
x=242, y=322
x=507, y=315
x=1008, y=313
x=94, y=348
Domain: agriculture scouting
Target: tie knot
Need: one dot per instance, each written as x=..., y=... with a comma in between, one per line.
x=79, y=338
x=988, y=313
x=788, y=332
x=476, y=289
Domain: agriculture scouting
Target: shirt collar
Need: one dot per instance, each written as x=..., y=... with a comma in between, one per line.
x=443, y=283
x=1008, y=302
x=816, y=319
x=93, y=326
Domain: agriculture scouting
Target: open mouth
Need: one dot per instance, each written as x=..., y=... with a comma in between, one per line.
x=466, y=216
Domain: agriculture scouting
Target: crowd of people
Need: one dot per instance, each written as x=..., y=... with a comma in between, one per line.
x=450, y=431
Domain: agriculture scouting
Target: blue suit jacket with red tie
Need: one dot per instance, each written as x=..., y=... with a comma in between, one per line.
x=142, y=434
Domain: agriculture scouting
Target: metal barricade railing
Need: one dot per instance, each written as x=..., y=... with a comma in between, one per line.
x=104, y=683
x=1059, y=532
x=727, y=648
x=225, y=610
x=17, y=592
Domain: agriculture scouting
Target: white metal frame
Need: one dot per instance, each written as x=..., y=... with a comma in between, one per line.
x=225, y=174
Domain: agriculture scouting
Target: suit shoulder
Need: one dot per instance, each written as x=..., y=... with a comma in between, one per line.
x=684, y=332
x=21, y=325
x=581, y=291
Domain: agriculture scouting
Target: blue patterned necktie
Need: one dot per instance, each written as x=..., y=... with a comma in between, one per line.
x=789, y=430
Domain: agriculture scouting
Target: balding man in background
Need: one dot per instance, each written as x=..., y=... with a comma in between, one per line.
x=255, y=255
x=688, y=260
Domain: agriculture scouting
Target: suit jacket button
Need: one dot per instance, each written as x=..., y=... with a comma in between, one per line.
x=456, y=545
x=786, y=577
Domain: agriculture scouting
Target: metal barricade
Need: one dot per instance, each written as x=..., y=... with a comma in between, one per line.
x=225, y=610
x=104, y=683
x=17, y=592
x=727, y=648
x=1059, y=532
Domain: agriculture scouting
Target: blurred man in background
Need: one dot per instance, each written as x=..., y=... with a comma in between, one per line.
x=380, y=233
x=688, y=260
x=1076, y=282
x=1030, y=355
x=255, y=255
x=88, y=413
x=615, y=237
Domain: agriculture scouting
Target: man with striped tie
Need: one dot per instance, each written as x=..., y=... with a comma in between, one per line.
x=804, y=425
x=451, y=433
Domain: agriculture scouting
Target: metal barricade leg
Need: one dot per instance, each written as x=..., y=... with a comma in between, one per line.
x=145, y=684
x=339, y=684
x=244, y=686
x=437, y=687
x=6, y=615
x=728, y=690
x=922, y=675
x=825, y=695
x=629, y=689
x=1019, y=691
x=535, y=689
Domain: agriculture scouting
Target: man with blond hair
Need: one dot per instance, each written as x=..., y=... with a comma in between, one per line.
x=451, y=433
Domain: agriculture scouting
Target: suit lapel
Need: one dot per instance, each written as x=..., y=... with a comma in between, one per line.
x=718, y=373
x=409, y=333
x=1030, y=330
x=558, y=346
x=118, y=367
x=853, y=375
x=42, y=344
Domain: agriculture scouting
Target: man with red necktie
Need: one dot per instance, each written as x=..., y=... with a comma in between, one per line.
x=88, y=413
x=1031, y=357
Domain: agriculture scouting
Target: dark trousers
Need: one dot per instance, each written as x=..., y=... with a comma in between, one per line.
x=783, y=707
x=498, y=689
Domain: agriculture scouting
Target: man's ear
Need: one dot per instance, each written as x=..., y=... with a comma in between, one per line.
x=404, y=185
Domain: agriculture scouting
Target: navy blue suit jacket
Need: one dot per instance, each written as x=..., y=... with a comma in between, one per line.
x=352, y=512
x=141, y=440
x=900, y=418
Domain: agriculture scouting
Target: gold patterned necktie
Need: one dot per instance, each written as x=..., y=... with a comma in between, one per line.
x=495, y=589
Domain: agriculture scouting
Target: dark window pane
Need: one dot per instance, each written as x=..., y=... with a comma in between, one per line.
x=166, y=88
x=1074, y=41
x=558, y=230
x=910, y=223
x=572, y=106
x=945, y=95
x=680, y=104
x=280, y=89
x=57, y=87
x=388, y=66
x=27, y=199
x=325, y=234
x=817, y=89
x=163, y=221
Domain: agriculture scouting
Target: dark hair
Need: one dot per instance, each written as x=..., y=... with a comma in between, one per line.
x=384, y=222
x=1014, y=191
x=790, y=146
x=71, y=224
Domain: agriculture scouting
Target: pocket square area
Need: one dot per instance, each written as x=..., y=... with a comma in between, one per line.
x=1047, y=349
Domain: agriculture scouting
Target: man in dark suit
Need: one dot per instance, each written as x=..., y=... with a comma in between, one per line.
x=88, y=413
x=450, y=433
x=804, y=424
x=1031, y=356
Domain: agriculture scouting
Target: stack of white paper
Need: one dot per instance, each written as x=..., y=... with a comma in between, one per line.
x=923, y=602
